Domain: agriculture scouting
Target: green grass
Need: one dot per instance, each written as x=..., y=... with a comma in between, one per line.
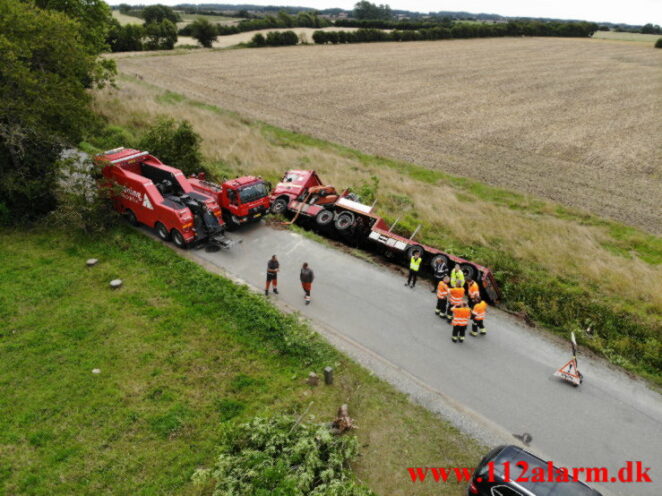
x=183, y=355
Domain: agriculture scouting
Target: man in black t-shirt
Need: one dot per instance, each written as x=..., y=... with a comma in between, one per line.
x=272, y=275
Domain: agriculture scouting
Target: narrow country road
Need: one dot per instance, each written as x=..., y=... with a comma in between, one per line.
x=493, y=386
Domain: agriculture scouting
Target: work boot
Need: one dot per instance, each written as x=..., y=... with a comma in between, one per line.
x=275, y=290
x=483, y=332
x=406, y=284
x=266, y=292
x=307, y=302
x=474, y=333
x=454, y=339
x=437, y=312
x=461, y=340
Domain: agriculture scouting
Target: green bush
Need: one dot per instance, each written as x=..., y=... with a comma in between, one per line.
x=658, y=43
x=259, y=40
x=277, y=456
x=203, y=31
x=160, y=35
x=175, y=144
x=278, y=38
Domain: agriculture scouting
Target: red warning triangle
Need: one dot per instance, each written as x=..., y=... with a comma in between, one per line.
x=569, y=369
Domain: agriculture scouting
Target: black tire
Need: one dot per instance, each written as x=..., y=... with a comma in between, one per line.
x=324, y=217
x=162, y=231
x=230, y=224
x=443, y=258
x=470, y=271
x=131, y=217
x=344, y=221
x=279, y=206
x=414, y=249
x=178, y=239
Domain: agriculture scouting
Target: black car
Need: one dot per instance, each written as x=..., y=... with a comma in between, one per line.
x=512, y=471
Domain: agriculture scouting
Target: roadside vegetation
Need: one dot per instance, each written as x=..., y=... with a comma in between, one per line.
x=564, y=269
x=185, y=358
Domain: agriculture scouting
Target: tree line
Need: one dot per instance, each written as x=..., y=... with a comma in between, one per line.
x=282, y=20
x=158, y=32
x=403, y=25
x=460, y=30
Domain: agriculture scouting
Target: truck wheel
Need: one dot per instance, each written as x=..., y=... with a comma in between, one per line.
x=414, y=249
x=436, y=258
x=131, y=217
x=324, y=217
x=469, y=271
x=229, y=222
x=344, y=221
x=279, y=206
x=178, y=239
x=162, y=231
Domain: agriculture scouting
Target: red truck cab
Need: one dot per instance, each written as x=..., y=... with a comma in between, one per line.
x=149, y=192
x=291, y=186
x=242, y=200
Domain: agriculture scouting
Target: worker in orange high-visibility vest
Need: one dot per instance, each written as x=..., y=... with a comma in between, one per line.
x=461, y=316
x=478, y=317
x=474, y=292
x=442, y=297
x=455, y=297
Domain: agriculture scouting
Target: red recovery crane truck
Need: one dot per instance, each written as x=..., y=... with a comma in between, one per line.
x=302, y=194
x=161, y=197
x=244, y=199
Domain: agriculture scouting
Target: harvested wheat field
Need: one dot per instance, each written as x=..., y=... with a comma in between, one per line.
x=575, y=121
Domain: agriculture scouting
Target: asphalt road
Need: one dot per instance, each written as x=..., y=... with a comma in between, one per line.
x=492, y=386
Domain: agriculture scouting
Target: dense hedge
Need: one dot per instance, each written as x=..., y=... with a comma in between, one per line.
x=275, y=38
x=460, y=30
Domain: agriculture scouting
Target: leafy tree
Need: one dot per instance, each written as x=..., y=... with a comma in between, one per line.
x=368, y=10
x=128, y=38
x=285, y=20
x=175, y=143
x=651, y=29
x=259, y=40
x=161, y=36
x=47, y=60
x=203, y=31
x=94, y=17
x=157, y=13
x=124, y=8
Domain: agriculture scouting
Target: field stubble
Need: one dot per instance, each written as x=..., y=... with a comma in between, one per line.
x=573, y=121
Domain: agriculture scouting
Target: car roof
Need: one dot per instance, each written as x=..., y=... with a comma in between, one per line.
x=514, y=454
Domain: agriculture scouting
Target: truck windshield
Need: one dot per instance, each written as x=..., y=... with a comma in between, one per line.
x=253, y=192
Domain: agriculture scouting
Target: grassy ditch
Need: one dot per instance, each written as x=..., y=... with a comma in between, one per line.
x=562, y=268
x=185, y=356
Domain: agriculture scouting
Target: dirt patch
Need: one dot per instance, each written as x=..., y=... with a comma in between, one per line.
x=574, y=121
